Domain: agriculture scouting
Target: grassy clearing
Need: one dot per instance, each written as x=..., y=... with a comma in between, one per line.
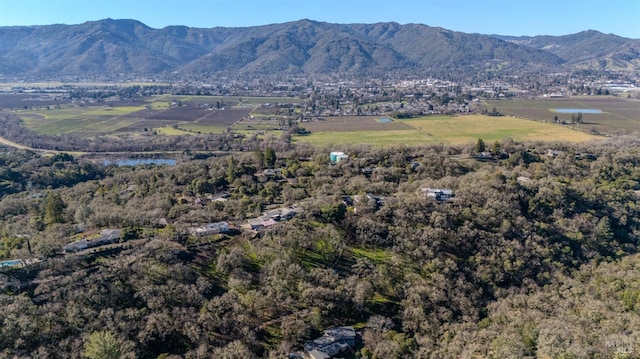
x=171, y=131
x=84, y=121
x=452, y=130
x=259, y=134
x=160, y=105
x=201, y=128
x=311, y=259
x=57, y=114
x=67, y=112
x=85, y=126
x=251, y=253
x=113, y=111
x=379, y=299
x=463, y=129
x=256, y=126
x=57, y=127
x=93, y=120
x=374, y=138
x=375, y=255
x=618, y=113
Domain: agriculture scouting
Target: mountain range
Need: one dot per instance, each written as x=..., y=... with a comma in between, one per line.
x=305, y=46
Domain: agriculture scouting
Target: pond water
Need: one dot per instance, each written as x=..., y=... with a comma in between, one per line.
x=140, y=161
x=576, y=110
x=11, y=263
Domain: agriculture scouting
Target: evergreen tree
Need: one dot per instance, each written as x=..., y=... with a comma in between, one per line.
x=480, y=146
x=53, y=208
x=270, y=157
x=231, y=169
x=495, y=148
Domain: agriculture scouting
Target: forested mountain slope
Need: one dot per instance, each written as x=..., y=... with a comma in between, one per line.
x=587, y=49
x=125, y=47
x=535, y=255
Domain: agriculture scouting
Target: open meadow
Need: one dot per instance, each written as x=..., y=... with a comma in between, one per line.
x=173, y=115
x=617, y=113
x=442, y=129
x=167, y=115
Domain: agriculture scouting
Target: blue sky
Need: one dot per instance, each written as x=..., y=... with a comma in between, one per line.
x=513, y=17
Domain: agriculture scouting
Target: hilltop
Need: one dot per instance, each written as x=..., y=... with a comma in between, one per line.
x=300, y=47
x=428, y=252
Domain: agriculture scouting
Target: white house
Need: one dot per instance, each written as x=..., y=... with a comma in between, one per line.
x=336, y=157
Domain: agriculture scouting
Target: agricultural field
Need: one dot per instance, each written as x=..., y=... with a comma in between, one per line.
x=174, y=115
x=168, y=115
x=618, y=114
x=78, y=120
x=15, y=101
x=446, y=129
x=354, y=123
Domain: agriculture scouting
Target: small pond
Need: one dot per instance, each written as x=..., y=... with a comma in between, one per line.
x=576, y=110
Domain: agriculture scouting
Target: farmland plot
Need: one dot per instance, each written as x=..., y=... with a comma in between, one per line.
x=445, y=129
x=617, y=113
x=353, y=123
x=181, y=113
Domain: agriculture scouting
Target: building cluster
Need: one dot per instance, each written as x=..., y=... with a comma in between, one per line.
x=269, y=218
x=332, y=343
x=336, y=157
x=438, y=194
x=107, y=236
x=363, y=201
x=211, y=228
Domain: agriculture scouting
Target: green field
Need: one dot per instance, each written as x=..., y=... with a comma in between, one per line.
x=527, y=120
x=619, y=113
x=166, y=114
x=79, y=120
x=202, y=128
x=452, y=130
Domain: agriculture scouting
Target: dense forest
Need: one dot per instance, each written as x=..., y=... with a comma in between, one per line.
x=535, y=254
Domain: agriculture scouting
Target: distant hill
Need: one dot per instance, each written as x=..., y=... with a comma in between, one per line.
x=129, y=46
x=587, y=49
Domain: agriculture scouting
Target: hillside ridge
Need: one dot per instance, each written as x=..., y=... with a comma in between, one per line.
x=305, y=46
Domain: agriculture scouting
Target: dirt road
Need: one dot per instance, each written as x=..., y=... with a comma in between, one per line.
x=4, y=141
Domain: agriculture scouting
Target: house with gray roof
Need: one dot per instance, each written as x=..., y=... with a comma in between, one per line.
x=334, y=342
